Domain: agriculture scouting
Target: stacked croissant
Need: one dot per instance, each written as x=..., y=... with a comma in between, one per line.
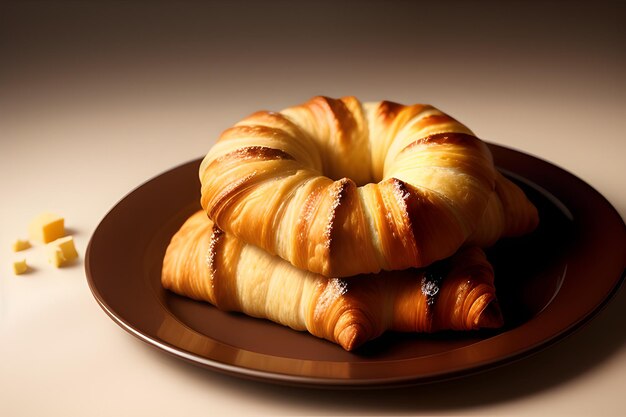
x=349, y=219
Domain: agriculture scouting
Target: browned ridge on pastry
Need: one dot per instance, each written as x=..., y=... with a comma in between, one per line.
x=340, y=187
x=204, y=263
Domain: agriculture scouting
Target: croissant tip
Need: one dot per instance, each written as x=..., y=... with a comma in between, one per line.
x=352, y=336
x=490, y=317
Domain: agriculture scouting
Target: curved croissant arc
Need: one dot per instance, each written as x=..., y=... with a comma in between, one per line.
x=204, y=263
x=412, y=185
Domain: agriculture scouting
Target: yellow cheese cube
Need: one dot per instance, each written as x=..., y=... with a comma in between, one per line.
x=19, y=267
x=55, y=256
x=46, y=227
x=61, y=251
x=20, y=244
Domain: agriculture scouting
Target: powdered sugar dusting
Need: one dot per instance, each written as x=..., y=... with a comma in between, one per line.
x=335, y=288
x=337, y=195
x=211, y=253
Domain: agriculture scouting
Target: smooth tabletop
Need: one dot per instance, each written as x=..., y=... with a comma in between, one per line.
x=97, y=98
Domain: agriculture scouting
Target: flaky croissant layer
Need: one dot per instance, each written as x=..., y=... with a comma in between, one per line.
x=340, y=187
x=204, y=263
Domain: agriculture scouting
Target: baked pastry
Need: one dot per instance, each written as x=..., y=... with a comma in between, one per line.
x=340, y=187
x=509, y=213
x=204, y=263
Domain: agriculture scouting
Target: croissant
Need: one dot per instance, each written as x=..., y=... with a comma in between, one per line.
x=204, y=263
x=340, y=187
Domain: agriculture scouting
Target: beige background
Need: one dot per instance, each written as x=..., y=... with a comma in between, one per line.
x=96, y=98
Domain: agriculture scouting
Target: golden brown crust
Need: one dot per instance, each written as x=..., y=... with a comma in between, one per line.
x=457, y=294
x=340, y=187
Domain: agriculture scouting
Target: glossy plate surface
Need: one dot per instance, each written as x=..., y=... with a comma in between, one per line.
x=549, y=283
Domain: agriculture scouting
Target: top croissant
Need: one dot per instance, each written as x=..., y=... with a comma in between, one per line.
x=340, y=187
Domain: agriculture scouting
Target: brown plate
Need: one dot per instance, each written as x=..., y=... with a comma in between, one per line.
x=549, y=283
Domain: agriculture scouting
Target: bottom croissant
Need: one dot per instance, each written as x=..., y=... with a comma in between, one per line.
x=206, y=264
